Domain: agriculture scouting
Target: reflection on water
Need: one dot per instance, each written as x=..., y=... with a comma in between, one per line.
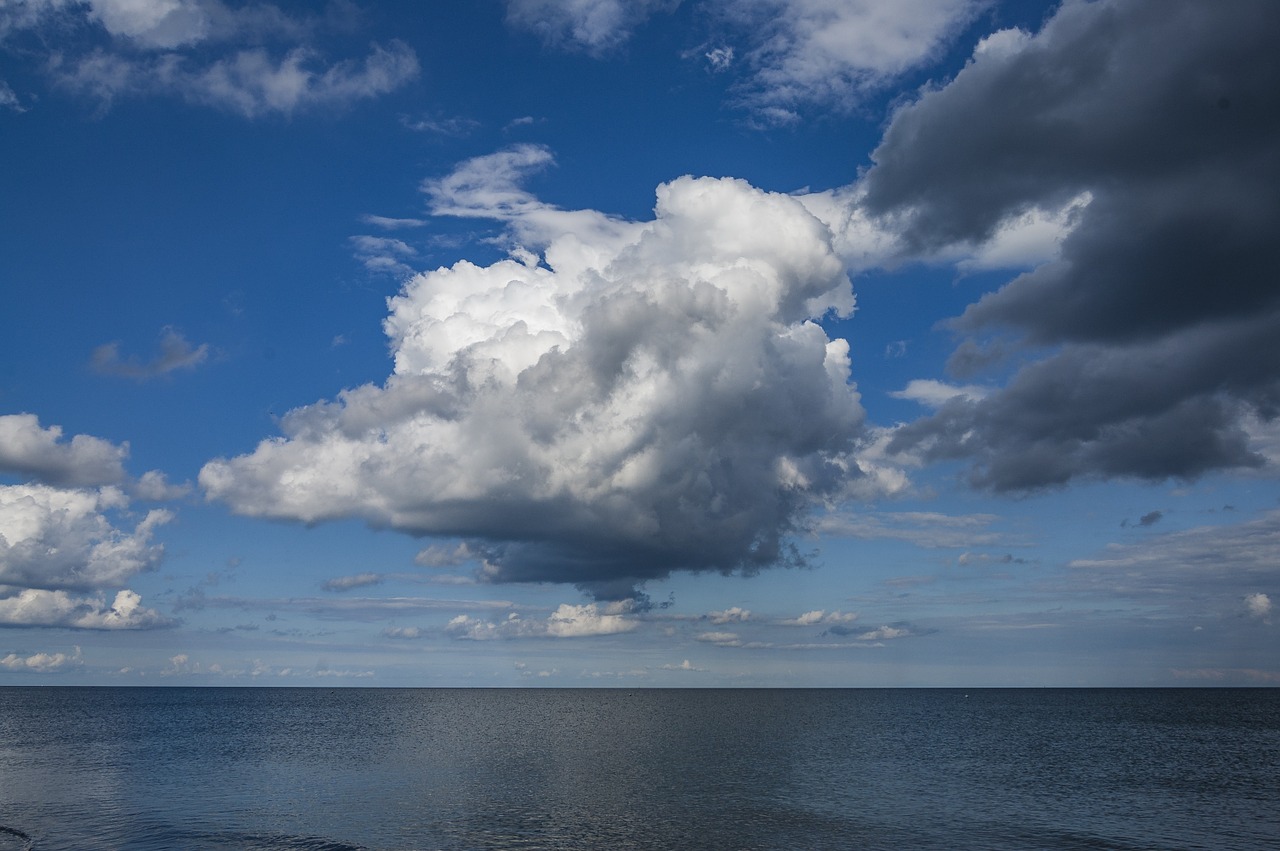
x=463, y=769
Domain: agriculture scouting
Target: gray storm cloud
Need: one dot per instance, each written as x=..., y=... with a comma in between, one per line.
x=1159, y=321
x=642, y=398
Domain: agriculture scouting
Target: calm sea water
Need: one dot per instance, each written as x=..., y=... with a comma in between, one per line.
x=173, y=768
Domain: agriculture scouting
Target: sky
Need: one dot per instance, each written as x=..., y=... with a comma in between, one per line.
x=665, y=343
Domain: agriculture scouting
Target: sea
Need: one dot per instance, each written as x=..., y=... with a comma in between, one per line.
x=354, y=769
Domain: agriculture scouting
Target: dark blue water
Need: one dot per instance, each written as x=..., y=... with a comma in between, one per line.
x=173, y=768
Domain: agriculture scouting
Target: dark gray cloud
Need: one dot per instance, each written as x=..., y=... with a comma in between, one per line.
x=1161, y=317
x=1174, y=407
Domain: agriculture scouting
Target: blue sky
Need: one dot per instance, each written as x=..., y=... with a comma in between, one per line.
x=578, y=342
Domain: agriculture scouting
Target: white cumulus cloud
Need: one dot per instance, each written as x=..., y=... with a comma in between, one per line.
x=720, y=639
x=735, y=614
x=38, y=607
x=821, y=616
x=42, y=662
x=60, y=538
x=571, y=621
x=686, y=665
x=639, y=397
x=27, y=448
x=567, y=621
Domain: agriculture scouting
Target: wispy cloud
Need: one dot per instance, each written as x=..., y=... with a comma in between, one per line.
x=922, y=528
x=210, y=53
x=596, y=26
x=389, y=223
x=833, y=53
x=794, y=54
x=175, y=354
x=454, y=126
x=9, y=99
x=347, y=583
x=384, y=254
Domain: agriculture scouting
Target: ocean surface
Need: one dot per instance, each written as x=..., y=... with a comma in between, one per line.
x=177, y=768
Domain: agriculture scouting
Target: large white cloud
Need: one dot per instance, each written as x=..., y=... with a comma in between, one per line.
x=643, y=397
